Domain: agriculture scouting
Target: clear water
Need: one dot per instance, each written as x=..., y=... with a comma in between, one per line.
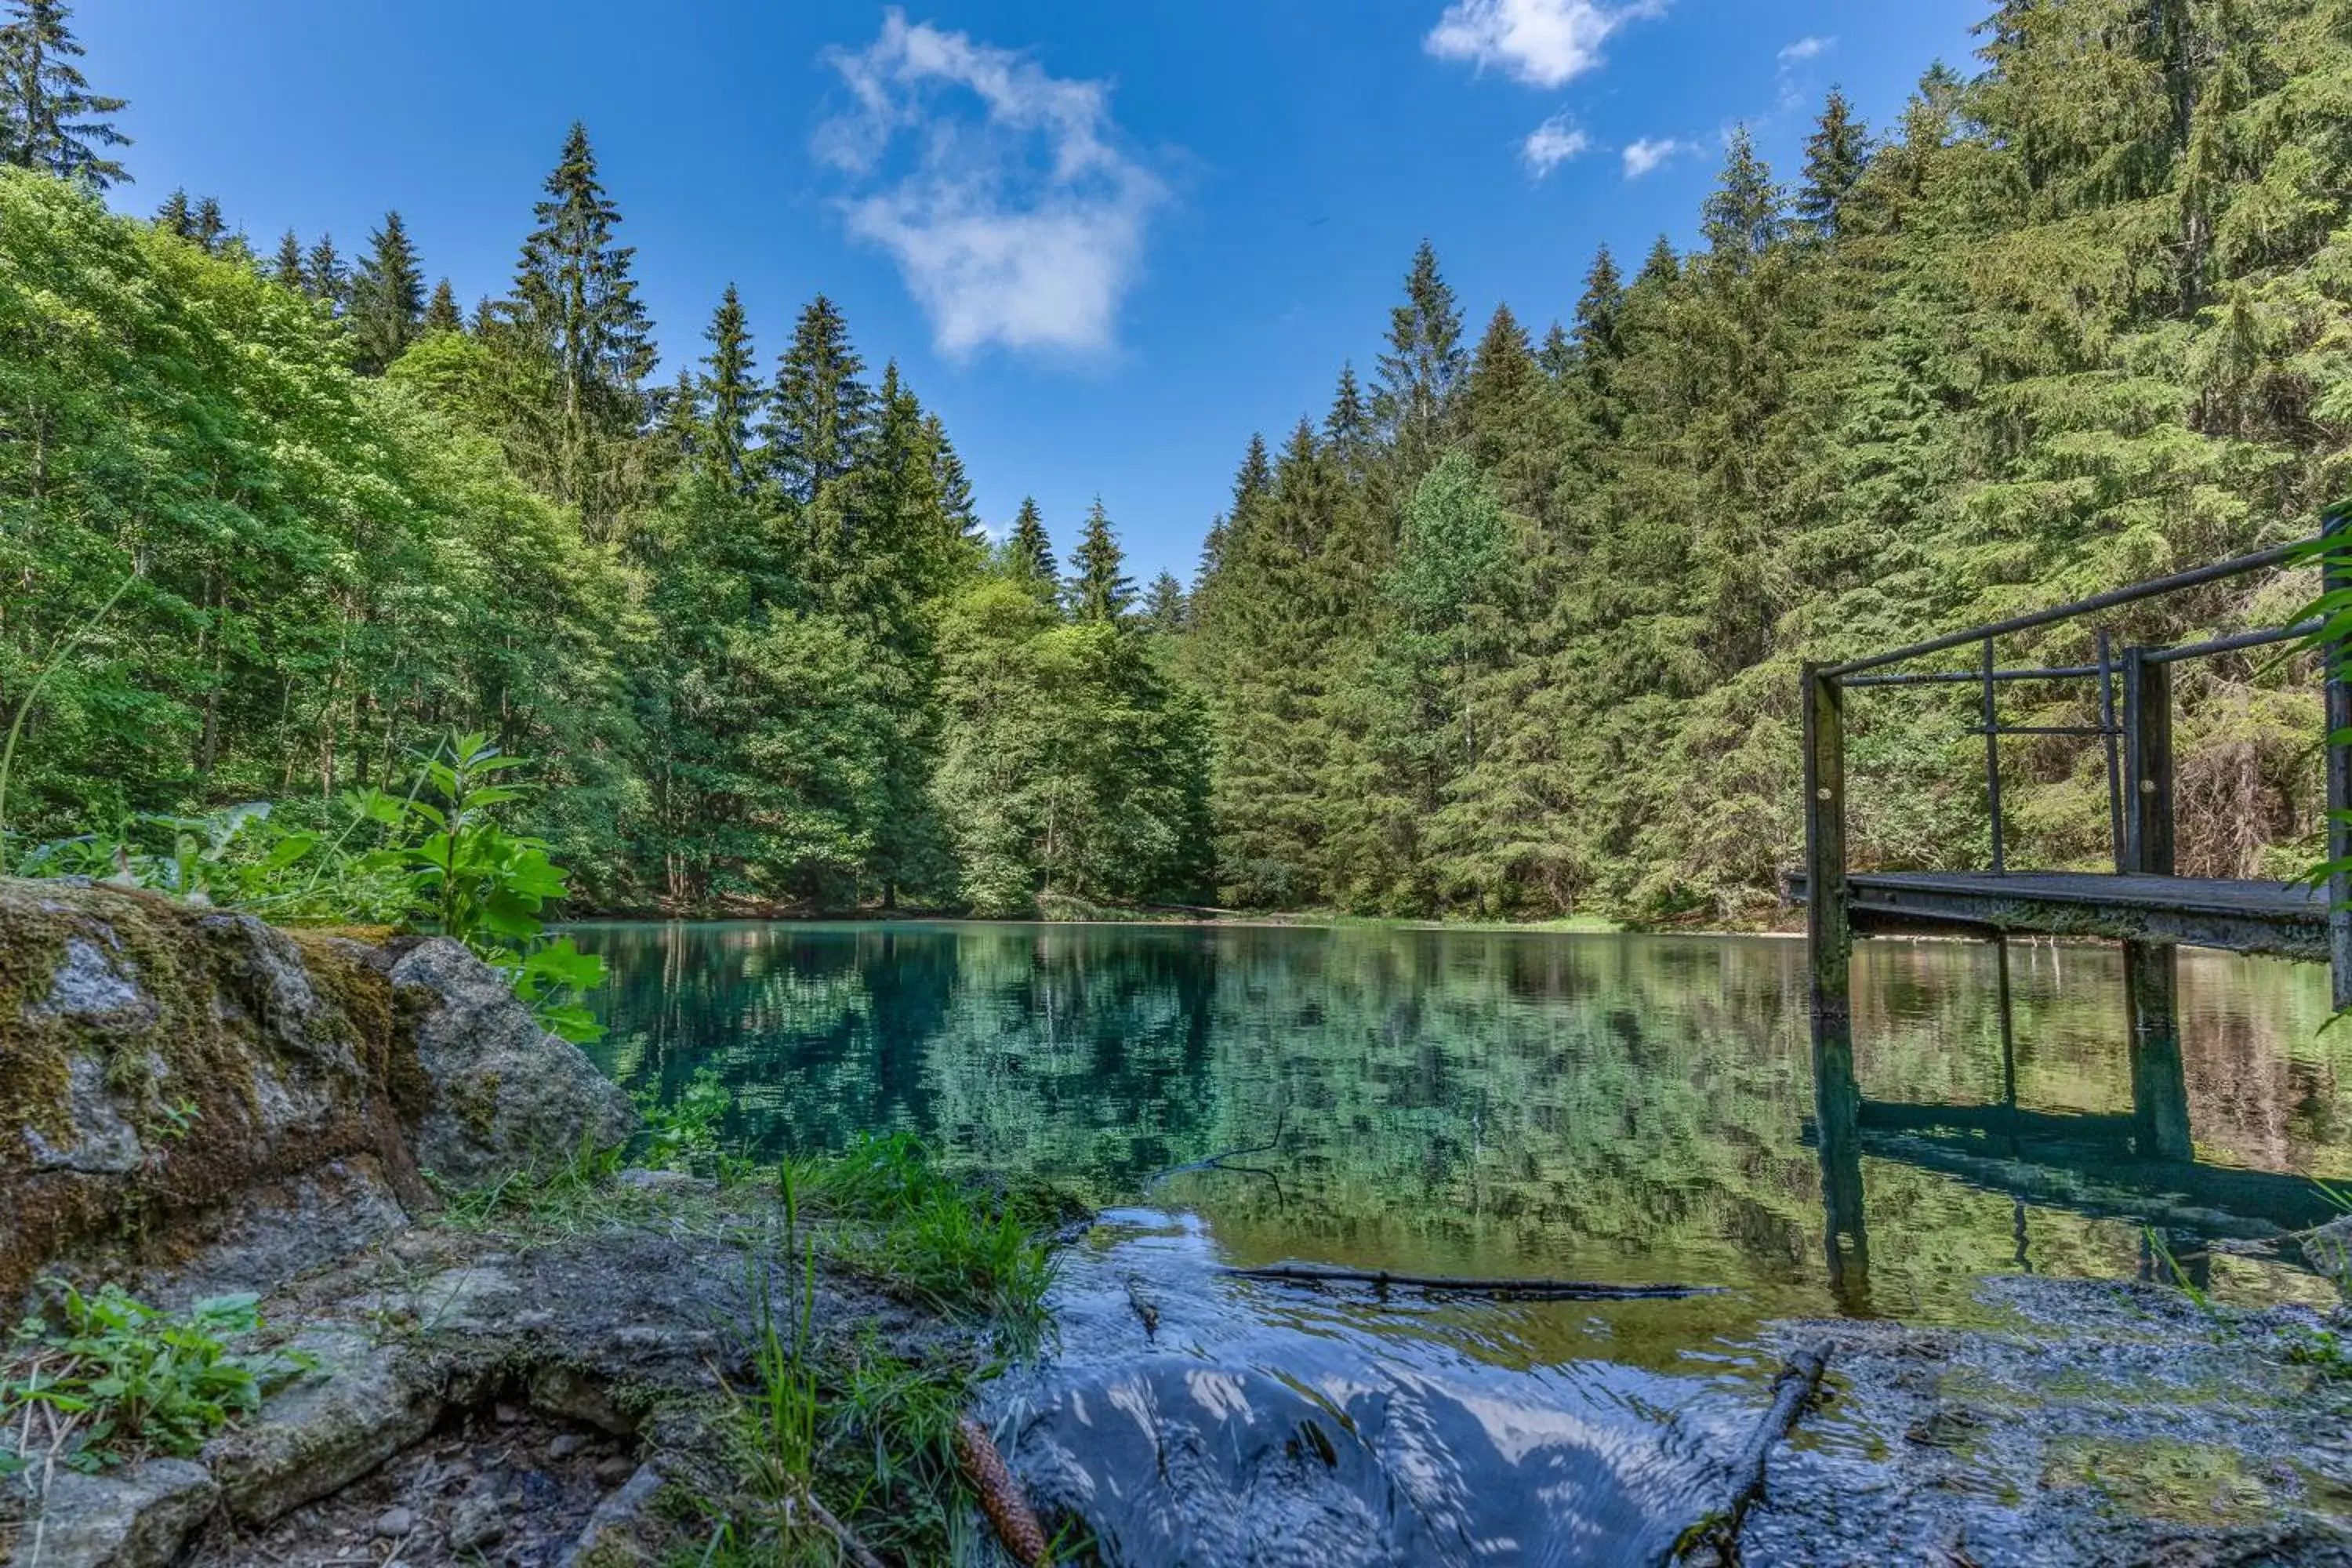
x=1619, y=1109
x=1616, y=1107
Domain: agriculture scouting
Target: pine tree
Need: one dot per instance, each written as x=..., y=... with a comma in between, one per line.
x=576, y=306
x=1348, y=428
x=1027, y=549
x=1253, y=481
x=49, y=120
x=324, y=277
x=1164, y=610
x=1835, y=155
x=286, y=271
x=1742, y=216
x=387, y=299
x=954, y=486
x=208, y=226
x=1600, y=309
x=1099, y=589
x=441, y=312
x=1421, y=367
x=1661, y=266
x=1558, y=356
x=819, y=409
x=729, y=394
x=175, y=215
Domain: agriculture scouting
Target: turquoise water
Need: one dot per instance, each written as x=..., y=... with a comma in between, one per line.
x=1618, y=1108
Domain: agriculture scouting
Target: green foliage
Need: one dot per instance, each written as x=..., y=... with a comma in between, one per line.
x=682, y=1133
x=105, y=1377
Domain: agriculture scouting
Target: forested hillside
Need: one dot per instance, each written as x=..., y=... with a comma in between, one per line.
x=1515, y=627
x=1511, y=629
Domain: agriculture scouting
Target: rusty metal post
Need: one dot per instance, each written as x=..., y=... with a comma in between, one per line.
x=1829, y=950
x=2151, y=979
x=2336, y=572
x=1992, y=763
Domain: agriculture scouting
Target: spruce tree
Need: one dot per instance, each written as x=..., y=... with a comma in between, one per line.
x=1661, y=266
x=1099, y=589
x=1600, y=309
x=208, y=226
x=1164, y=610
x=1349, y=427
x=441, y=312
x=1835, y=155
x=1026, y=548
x=286, y=271
x=1253, y=481
x=819, y=410
x=387, y=299
x=324, y=277
x=1558, y=356
x=1743, y=216
x=575, y=305
x=729, y=395
x=49, y=120
x=954, y=483
x=1420, y=366
x=175, y=215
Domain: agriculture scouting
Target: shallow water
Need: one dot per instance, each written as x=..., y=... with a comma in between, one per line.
x=1629, y=1109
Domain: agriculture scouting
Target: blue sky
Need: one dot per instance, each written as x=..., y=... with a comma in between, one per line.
x=1106, y=242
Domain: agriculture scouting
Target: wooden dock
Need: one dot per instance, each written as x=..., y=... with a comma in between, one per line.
x=2286, y=918
x=2143, y=904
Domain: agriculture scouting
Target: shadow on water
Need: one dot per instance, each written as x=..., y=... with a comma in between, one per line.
x=1626, y=1110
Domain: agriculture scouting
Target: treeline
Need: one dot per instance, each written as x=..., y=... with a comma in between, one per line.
x=1515, y=629
x=270, y=527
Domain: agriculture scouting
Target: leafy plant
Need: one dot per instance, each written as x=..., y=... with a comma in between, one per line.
x=683, y=1133
x=112, y=1378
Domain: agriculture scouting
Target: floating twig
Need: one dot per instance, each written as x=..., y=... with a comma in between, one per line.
x=1799, y=1381
x=1000, y=1495
x=1145, y=1308
x=1470, y=1284
x=1217, y=1162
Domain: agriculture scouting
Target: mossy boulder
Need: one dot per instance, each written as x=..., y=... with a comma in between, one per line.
x=189, y=1090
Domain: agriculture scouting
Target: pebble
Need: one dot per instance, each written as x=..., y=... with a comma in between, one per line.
x=507, y=1414
x=394, y=1522
x=474, y=1524
x=611, y=1472
x=565, y=1444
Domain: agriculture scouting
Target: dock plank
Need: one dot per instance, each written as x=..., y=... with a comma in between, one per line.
x=2287, y=919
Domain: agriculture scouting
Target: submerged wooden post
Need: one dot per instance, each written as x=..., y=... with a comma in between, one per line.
x=1829, y=947
x=2151, y=982
x=2337, y=574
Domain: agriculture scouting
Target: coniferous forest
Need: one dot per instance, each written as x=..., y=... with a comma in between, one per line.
x=1511, y=630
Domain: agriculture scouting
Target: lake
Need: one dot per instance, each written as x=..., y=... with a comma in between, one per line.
x=1627, y=1109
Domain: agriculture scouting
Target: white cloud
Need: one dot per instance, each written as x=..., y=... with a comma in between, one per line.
x=1552, y=144
x=1807, y=49
x=1651, y=153
x=1541, y=42
x=1017, y=219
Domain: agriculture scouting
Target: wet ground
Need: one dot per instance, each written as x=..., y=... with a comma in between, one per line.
x=1189, y=1416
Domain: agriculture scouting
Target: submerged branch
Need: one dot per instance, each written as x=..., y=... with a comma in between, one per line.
x=1799, y=1381
x=1471, y=1285
x=1217, y=1162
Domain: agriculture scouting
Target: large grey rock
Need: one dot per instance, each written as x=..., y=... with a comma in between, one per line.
x=362, y=1404
x=2329, y=1248
x=505, y=1092
x=137, y=1518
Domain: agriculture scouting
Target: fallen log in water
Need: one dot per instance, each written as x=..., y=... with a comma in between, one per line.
x=1469, y=1284
x=1792, y=1391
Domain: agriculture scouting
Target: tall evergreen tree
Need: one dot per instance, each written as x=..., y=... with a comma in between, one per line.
x=49, y=120
x=1099, y=589
x=1027, y=549
x=387, y=300
x=1835, y=156
x=176, y=215
x=1164, y=610
x=575, y=305
x=441, y=312
x=819, y=409
x=324, y=277
x=286, y=271
x=729, y=393
x=1420, y=366
x=207, y=227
